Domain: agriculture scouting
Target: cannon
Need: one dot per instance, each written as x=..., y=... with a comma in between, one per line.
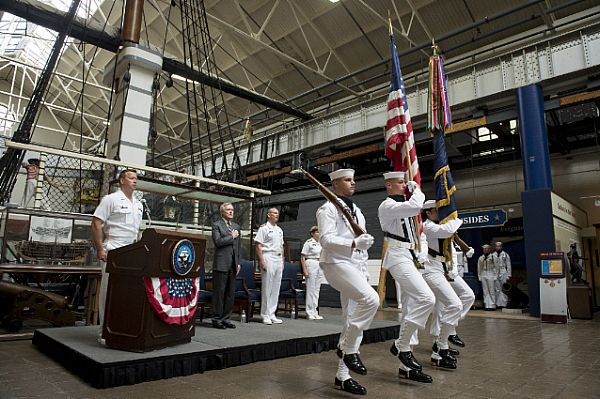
x=20, y=302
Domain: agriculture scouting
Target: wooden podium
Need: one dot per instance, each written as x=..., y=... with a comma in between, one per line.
x=130, y=322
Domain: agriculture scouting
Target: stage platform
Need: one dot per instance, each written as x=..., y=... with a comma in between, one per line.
x=77, y=349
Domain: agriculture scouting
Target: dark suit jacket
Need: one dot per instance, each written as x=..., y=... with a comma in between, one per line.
x=227, y=249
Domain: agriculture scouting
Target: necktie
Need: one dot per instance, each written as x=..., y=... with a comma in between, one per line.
x=229, y=226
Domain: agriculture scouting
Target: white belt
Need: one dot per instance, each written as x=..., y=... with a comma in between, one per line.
x=399, y=244
x=439, y=258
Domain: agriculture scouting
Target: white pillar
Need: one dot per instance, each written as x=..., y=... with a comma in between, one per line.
x=132, y=105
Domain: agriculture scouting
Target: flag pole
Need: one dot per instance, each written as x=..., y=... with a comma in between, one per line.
x=410, y=177
x=383, y=272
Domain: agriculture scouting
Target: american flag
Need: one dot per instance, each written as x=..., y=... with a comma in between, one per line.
x=398, y=129
x=174, y=300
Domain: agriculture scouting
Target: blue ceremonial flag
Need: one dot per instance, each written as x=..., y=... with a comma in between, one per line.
x=439, y=118
x=443, y=181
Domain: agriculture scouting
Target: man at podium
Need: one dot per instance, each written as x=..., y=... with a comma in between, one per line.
x=115, y=224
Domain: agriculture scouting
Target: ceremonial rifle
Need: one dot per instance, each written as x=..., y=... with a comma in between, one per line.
x=330, y=195
x=463, y=245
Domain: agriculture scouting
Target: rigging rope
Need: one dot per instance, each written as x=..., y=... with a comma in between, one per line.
x=10, y=163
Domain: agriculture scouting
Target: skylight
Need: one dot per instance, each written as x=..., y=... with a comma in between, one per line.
x=31, y=43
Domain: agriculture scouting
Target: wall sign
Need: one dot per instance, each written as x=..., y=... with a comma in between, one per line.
x=478, y=219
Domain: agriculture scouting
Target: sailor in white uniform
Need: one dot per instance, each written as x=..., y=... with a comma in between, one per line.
x=464, y=292
x=269, y=249
x=487, y=272
x=311, y=251
x=117, y=218
x=344, y=262
x=402, y=259
x=438, y=272
x=504, y=267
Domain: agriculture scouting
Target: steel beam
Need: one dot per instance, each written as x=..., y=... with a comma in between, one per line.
x=108, y=38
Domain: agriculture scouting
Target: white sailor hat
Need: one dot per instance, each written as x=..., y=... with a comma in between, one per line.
x=429, y=204
x=394, y=175
x=341, y=173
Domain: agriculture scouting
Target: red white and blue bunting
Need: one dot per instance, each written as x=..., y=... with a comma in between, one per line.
x=174, y=300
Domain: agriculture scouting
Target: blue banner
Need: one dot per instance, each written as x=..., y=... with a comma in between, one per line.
x=489, y=218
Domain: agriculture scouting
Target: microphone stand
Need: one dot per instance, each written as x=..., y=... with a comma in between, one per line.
x=146, y=211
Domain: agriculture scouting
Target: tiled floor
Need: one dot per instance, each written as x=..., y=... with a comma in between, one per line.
x=504, y=358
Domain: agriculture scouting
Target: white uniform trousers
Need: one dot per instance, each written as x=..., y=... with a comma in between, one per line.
x=501, y=298
x=417, y=298
x=398, y=293
x=488, y=285
x=467, y=298
x=28, y=192
x=359, y=302
x=449, y=302
x=108, y=245
x=271, y=283
x=313, y=286
x=102, y=296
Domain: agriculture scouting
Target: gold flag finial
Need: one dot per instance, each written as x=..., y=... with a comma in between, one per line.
x=390, y=23
x=434, y=47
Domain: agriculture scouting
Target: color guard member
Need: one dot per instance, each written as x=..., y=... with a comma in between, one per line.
x=344, y=263
x=397, y=219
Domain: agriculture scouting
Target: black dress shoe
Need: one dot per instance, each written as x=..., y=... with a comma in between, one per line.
x=339, y=353
x=218, y=324
x=446, y=353
x=415, y=375
x=351, y=386
x=455, y=340
x=452, y=351
x=228, y=324
x=354, y=363
x=409, y=361
x=446, y=361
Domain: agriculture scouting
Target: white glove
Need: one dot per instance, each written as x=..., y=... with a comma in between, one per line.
x=363, y=242
x=411, y=185
x=470, y=252
x=422, y=258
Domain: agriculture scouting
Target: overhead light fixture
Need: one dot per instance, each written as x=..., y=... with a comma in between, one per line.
x=334, y=1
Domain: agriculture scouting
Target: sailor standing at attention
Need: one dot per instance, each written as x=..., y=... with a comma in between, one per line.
x=344, y=262
x=311, y=252
x=396, y=216
x=269, y=249
x=487, y=272
x=504, y=268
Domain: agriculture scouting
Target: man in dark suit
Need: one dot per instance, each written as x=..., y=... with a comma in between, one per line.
x=226, y=265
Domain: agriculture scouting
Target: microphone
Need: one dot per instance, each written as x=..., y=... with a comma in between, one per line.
x=147, y=210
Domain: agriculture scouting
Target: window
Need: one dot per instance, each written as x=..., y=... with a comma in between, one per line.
x=32, y=43
x=7, y=120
